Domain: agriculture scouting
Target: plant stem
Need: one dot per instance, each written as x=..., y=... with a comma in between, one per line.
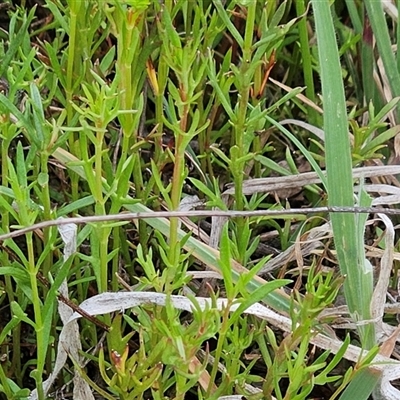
x=5, y=224
x=176, y=192
x=306, y=59
x=37, y=309
x=244, y=85
x=73, y=58
x=221, y=343
x=44, y=158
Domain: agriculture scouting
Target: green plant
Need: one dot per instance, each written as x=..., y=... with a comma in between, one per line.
x=156, y=102
x=289, y=358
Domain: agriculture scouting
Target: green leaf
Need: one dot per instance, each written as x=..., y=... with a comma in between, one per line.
x=258, y=295
x=303, y=150
x=20, y=314
x=38, y=118
x=223, y=14
x=323, y=378
x=75, y=205
x=362, y=385
x=215, y=198
x=16, y=42
x=12, y=109
x=107, y=61
x=351, y=255
x=171, y=35
x=22, y=173
x=6, y=330
x=379, y=26
x=225, y=263
x=382, y=139
x=43, y=179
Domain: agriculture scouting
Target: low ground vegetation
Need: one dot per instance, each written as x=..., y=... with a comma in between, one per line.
x=171, y=174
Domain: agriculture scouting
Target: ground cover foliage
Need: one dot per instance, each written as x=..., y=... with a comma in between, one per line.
x=116, y=107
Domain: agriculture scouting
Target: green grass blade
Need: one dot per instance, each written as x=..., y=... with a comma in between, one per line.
x=381, y=32
x=362, y=385
x=350, y=253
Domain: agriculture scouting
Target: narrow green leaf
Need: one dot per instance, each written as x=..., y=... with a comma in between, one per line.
x=38, y=118
x=222, y=12
x=259, y=294
x=15, y=43
x=350, y=252
x=225, y=263
x=381, y=33
x=362, y=385
x=304, y=151
x=20, y=314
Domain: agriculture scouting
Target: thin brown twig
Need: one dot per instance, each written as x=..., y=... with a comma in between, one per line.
x=127, y=216
x=72, y=305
